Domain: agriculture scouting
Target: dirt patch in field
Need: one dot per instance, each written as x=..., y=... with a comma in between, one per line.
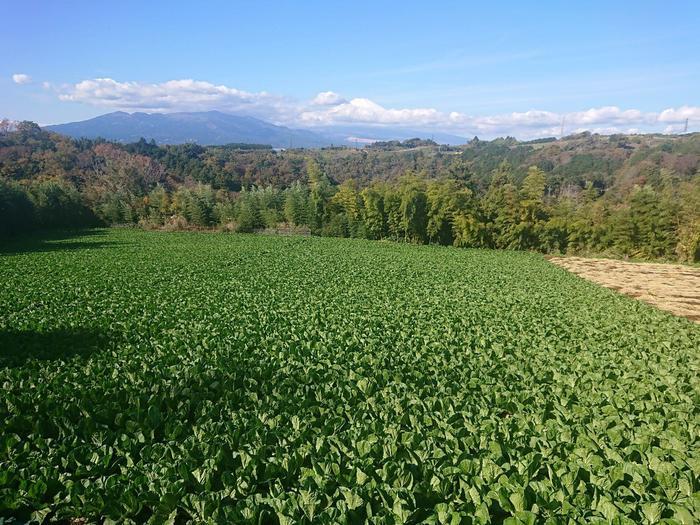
x=670, y=287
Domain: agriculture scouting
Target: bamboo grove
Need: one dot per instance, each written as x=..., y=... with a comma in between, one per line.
x=51, y=181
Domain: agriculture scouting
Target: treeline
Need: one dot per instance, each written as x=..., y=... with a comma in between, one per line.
x=52, y=181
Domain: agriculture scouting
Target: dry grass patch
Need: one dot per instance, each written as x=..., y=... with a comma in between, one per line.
x=671, y=287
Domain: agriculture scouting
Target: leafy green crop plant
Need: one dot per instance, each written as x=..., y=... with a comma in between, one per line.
x=217, y=378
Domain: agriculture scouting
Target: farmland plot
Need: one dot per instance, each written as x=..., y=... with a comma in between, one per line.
x=216, y=378
x=670, y=287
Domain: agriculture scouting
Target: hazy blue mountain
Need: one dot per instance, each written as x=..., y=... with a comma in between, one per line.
x=206, y=128
x=215, y=127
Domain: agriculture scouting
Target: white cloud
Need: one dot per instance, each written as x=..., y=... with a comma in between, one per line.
x=524, y=125
x=21, y=78
x=328, y=109
x=176, y=95
x=527, y=119
x=363, y=110
x=680, y=114
x=609, y=114
x=327, y=98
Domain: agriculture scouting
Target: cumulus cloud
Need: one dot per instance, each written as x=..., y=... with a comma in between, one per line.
x=610, y=115
x=527, y=124
x=327, y=98
x=363, y=110
x=21, y=78
x=177, y=95
x=680, y=114
x=328, y=109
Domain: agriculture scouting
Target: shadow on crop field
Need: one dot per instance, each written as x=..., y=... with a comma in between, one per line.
x=52, y=241
x=19, y=346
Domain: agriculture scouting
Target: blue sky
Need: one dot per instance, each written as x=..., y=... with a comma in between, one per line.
x=489, y=67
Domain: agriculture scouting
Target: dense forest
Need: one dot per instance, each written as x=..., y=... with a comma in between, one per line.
x=620, y=195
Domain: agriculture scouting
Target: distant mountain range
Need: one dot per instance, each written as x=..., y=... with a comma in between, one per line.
x=206, y=128
x=215, y=127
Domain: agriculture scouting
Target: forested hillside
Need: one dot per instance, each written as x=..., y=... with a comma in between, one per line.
x=636, y=195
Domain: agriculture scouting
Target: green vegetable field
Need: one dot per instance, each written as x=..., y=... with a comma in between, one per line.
x=220, y=378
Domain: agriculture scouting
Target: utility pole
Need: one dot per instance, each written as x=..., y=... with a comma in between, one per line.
x=685, y=130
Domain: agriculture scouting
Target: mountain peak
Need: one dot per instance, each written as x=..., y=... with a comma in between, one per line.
x=206, y=128
x=217, y=128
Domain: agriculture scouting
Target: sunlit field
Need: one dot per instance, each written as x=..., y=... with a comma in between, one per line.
x=227, y=378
